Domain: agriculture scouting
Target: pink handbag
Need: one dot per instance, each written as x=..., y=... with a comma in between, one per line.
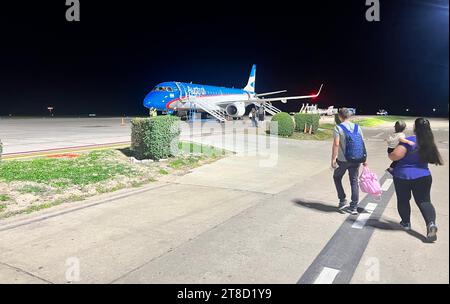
x=368, y=182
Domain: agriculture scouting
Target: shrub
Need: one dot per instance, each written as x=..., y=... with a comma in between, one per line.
x=1, y=149
x=337, y=120
x=155, y=137
x=285, y=124
x=311, y=120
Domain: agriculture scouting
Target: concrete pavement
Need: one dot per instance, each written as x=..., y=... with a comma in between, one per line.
x=238, y=220
x=36, y=134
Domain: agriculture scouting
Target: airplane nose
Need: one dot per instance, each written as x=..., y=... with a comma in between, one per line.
x=148, y=101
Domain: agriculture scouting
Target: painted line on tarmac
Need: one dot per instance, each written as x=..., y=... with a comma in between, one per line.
x=344, y=250
x=364, y=217
x=387, y=184
x=326, y=276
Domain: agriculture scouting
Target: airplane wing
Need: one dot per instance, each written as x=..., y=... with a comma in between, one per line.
x=270, y=93
x=282, y=99
x=285, y=99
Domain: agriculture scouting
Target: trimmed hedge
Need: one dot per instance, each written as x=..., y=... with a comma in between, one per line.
x=311, y=120
x=155, y=137
x=285, y=124
x=337, y=120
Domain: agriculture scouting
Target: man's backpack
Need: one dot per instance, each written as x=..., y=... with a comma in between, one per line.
x=355, y=149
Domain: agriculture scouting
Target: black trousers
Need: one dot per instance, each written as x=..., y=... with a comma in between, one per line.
x=420, y=189
x=394, y=163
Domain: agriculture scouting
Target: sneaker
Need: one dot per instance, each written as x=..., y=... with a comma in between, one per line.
x=353, y=210
x=406, y=226
x=432, y=232
x=342, y=205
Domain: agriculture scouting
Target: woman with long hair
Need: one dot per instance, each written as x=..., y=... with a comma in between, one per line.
x=412, y=176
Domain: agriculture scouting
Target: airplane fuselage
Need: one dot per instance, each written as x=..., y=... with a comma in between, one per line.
x=180, y=96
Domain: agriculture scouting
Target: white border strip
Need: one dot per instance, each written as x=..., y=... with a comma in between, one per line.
x=387, y=183
x=363, y=217
x=327, y=276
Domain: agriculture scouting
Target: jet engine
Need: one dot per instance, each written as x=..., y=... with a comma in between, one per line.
x=236, y=109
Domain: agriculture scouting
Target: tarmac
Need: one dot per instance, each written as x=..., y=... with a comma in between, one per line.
x=266, y=214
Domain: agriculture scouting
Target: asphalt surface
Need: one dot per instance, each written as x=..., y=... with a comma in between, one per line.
x=263, y=215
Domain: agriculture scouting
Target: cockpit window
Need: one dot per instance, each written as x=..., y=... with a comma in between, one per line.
x=163, y=89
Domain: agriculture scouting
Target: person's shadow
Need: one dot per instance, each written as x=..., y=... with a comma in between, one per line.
x=321, y=207
x=394, y=226
x=377, y=224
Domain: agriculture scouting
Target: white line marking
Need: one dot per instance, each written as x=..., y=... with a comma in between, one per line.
x=387, y=183
x=326, y=276
x=363, y=217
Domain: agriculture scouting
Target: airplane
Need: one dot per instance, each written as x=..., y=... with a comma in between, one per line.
x=330, y=111
x=220, y=102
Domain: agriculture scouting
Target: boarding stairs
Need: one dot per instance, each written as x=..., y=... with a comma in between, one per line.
x=214, y=110
x=269, y=108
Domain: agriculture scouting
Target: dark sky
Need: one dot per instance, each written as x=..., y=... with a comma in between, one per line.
x=107, y=62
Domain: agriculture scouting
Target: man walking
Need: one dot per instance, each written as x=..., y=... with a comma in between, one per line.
x=261, y=113
x=252, y=116
x=348, y=153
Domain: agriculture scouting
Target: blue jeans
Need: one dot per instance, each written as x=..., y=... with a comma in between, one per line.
x=353, y=173
x=254, y=122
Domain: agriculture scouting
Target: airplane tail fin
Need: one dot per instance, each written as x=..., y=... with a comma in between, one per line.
x=250, y=87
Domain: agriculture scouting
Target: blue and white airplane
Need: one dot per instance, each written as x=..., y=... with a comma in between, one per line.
x=220, y=102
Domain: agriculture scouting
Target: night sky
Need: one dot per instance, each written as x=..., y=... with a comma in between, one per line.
x=107, y=62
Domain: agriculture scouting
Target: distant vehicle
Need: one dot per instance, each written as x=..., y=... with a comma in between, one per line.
x=328, y=112
x=352, y=111
x=219, y=102
x=314, y=109
x=382, y=112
